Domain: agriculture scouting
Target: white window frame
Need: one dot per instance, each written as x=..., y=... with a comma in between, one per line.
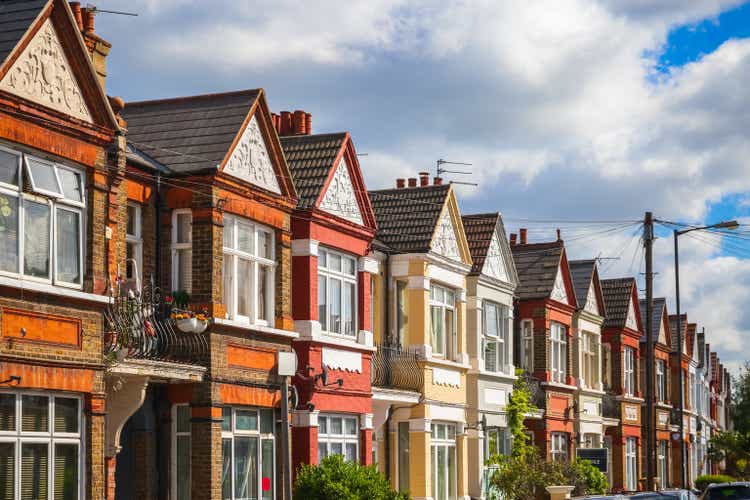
x=661, y=379
x=527, y=345
x=503, y=324
x=558, y=349
x=401, y=314
x=502, y=438
x=590, y=360
x=628, y=370
x=55, y=202
x=327, y=275
x=447, y=347
x=631, y=464
x=175, y=435
x=662, y=450
x=19, y=437
x=558, y=447
x=449, y=444
x=328, y=438
x=182, y=246
x=136, y=240
x=256, y=261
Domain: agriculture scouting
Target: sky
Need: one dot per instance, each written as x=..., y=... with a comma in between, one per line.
x=568, y=110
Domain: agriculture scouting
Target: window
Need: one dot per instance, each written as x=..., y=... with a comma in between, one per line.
x=248, y=454
x=628, y=370
x=443, y=461
x=248, y=271
x=337, y=292
x=41, y=221
x=496, y=442
x=40, y=446
x=134, y=244
x=558, y=352
x=591, y=440
x=590, y=360
x=338, y=435
x=182, y=250
x=631, y=464
x=661, y=381
x=403, y=456
x=443, y=321
x=181, y=452
x=401, y=315
x=559, y=447
x=496, y=343
x=527, y=345
x=661, y=463
x=606, y=367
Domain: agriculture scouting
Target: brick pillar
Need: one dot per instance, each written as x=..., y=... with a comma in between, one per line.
x=305, y=287
x=365, y=439
x=420, y=463
x=95, y=409
x=363, y=294
x=111, y=466
x=304, y=439
x=462, y=462
x=206, y=453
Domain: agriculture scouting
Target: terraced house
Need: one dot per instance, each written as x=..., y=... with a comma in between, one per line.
x=425, y=259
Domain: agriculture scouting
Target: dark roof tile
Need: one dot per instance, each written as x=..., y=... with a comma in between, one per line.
x=536, y=264
x=479, y=229
x=582, y=272
x=310, y=159
x=16, y=16
x=617, y=294
x=660, y=304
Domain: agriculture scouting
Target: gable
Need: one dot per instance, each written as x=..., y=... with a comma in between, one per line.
x=631, y=322
x=42, y=74
x=559, y=293
x=592, y=303
x=339, y=198
x=494, y=262
x=445, y=240
x=250, y=160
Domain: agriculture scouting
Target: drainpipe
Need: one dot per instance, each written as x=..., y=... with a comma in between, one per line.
x=157, y=226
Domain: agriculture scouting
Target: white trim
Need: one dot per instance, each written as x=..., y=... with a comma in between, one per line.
x=343, y=278
x=420, y=425
x=337, y=359
x=36, y=286
x=304, y=248
x=327, y=438
x=256, y=328
x=418, y=283
x=304, y=418
x=184, y=246
x=441, y=376
x=367, y=265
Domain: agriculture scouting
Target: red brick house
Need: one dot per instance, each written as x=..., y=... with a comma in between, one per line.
x=621, y=337
x=544, y=309
x=332, y=229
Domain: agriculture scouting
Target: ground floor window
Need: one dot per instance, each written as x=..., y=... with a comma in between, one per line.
x=496, y=442
x=443, y=460
x=338, y=435
x=591, y=440
x=403, y=456
x=40, y=446
x=181, y=452
x=631, y=464
x=661, y=463
x=248, y=454
x=559, y=447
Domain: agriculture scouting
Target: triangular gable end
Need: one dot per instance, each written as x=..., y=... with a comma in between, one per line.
x=559, y=293
x=592, y=303
x=494, y=261
x=339, y=197
x=445, y=239
x=250, y=160
x=43, y=75
x=631, y=321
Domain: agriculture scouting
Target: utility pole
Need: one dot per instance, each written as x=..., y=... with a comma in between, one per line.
x=648, y=242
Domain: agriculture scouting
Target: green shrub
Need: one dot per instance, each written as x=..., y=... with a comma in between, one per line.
x=336, y=479
x=701, y=482
x=587, y=479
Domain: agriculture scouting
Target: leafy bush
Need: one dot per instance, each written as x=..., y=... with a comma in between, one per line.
x=587, y=479
x=336, y=479
x=701, y=482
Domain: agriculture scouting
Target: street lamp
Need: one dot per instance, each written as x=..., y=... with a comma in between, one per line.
x=732, y=224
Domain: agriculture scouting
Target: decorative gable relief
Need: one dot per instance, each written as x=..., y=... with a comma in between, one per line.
x=43, y=75
x=558, y=291
x=662, y=334
x=250, y=160
x=339, y=199
x=445, y=241
x=494, y=263
x=592, y=304
x=631, y=322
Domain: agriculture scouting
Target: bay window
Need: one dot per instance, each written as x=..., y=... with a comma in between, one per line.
x=628, y=371
x=559, y=447
x=337, y=292
x=248, y=271
x=41, y=222
x=661, y=381
x=443, y=461
x=40, y=446
x=496, y=339
x=338, y=435
x=181, y=451
x=248, y=454
x=182, y=250
x=443, y=321
x=631, y=464
x=527, y=345
x=558, y=352
x=134, y=243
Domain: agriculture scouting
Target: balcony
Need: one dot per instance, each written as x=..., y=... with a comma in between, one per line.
x=139, y=326
x=394, y=367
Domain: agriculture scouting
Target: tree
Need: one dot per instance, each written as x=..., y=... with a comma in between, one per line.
x=741, y=400
x=733, y=447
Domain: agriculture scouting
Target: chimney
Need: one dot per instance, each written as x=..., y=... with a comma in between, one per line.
x=276, y=122
x=522, y=232
x=437, y=181
x=286, y=123
x=424, y=179
x=412, y=182
x=400, y=183
x=295, y=122
x=299, y=121
x=98, y=47
x=513, y=238
x=559, y=238
x=308, y=123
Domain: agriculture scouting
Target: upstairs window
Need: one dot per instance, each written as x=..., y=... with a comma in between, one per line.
x=590, y=360
x=134, y=243
x=337, y=292
x=527, y=345
x=182, y=250
x=401, y=312
x=41, y=219
x=628, y=371
x=496, y=339
x=443, y=321
x=661, y=381
x=559, y=447
x=558, y=352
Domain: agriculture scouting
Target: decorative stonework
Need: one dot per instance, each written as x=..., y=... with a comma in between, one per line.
x=631, y=321
x=43, y=75
x=558, y=291
x=337, y=359
x=592, y=304
x=494, y=263
x=445, y=242
x=339, y=199
x=442, y=376
x=250, y=160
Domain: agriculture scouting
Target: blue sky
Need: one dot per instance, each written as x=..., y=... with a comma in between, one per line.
x=567, y=109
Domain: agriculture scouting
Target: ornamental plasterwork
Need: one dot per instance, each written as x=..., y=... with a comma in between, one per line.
x=630, y=322
x=445, y=242
x=494, y=264
x=42, y=74
x=339, y=199
x=592, y=304
x=558, y=291
x=250, y=160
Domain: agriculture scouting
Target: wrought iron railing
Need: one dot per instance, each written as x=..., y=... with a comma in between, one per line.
x=611, y=407
x=394, y=367
x=536, y=392
x=138, y=326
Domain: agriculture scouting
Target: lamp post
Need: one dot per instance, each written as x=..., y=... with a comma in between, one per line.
x=733, y=224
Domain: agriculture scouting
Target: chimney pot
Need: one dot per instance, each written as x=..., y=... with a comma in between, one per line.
x=88, y=20
x=437, y=181
x=286, y=123
x=424, y=179
x=412, y=182
x=400, y=183
x=76, y=8
x=559, y=238
x=276, y=122
x=308, y=123
x=513, y=237
x=522, y=232
x=298, y=122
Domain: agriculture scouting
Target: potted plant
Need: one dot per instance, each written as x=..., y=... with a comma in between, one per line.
x=185, y=320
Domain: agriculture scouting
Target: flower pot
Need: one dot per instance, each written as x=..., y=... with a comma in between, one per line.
x=200, y=326
x=187, y=325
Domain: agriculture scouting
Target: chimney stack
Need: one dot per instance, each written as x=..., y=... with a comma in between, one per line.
x=98, y=47
x=559, y=238
x=522, y=232
x=77, y=15
x=513, y=237
x=437, y=181
x=412, y=182
x=400, y=183
x=424, y=179
x=297, y=122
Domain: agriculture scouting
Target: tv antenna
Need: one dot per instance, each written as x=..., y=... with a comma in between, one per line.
x=440, y=171
x=95, y=9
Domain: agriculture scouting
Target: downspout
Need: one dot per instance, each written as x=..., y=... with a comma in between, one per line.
x=387, y=341
x=157, y=226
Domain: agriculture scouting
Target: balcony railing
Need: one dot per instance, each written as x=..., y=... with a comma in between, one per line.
x=536, y=392
x=139, y=326
x=394, y=367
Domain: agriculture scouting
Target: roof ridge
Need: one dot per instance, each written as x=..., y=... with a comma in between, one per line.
x=312, y=136
x=411, y=189
x=192, y=97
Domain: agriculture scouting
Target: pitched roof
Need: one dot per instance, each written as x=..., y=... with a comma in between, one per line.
x=406, y=217
x=673, y=327
x=16, y=16
x=479, y=229
x=690, y=339
x=656, y=317
x=537, y=264
x=581, y=272
x=310, y=159
x=188, y=134
x=617, y=295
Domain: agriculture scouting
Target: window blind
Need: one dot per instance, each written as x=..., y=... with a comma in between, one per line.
x=66, y=472
x=34, y=463
x=7, y=470
x=34, y=414
x=7, y=412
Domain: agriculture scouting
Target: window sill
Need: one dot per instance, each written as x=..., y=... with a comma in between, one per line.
x=558, y=385
x=447, y=363
x=340, y=341
x=256, y=328
x=595, y=392
x=62, y=291
x=502, y=375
